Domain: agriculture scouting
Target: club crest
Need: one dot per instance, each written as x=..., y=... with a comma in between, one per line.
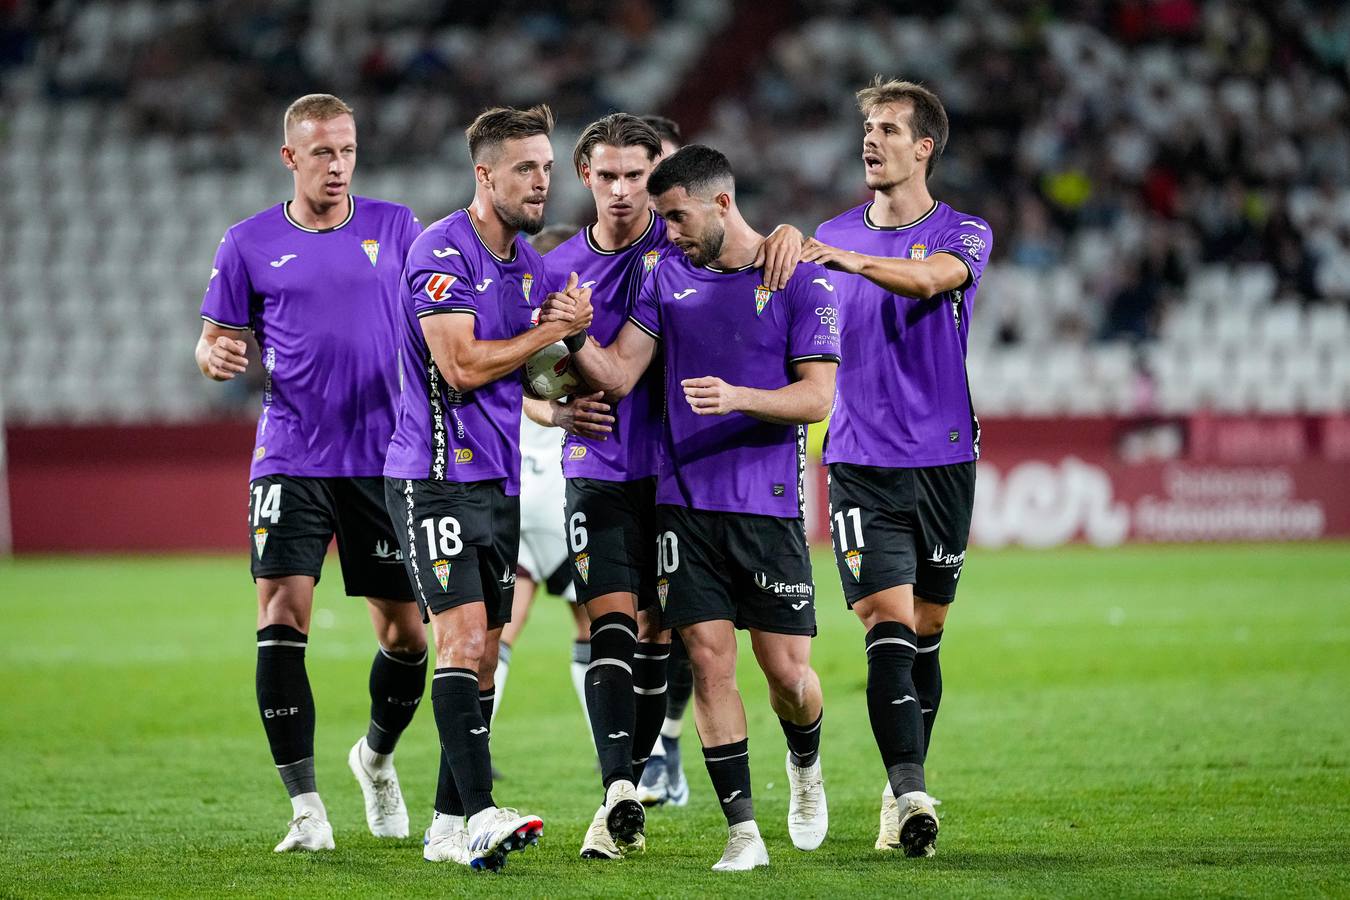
x=918, y=251
x=762, y=295
x=259, y=540
x=584, y=567
x=649, y=260
x=853, y=559
x=442, y=569
x=662, y=591
x=372, y=249
x=526, y=282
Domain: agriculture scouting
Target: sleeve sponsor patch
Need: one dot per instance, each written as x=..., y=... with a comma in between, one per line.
x=974, y=245
x=438, y=286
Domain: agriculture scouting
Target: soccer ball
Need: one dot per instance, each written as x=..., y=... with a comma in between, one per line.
x=549, y=373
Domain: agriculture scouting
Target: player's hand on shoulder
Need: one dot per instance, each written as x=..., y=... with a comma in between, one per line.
x=710, y=395
x=585, y=415
x=778, y=256
x=226, y=358
x=831, y=257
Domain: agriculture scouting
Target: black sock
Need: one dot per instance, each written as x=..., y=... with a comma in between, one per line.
x=286, y=705
x=680, y=678
x=928, y=684
x=448, y=802
x=893, y=706
x=649, y=701
x=729, y=768
x=464, y=735
x=803, y=741
x=609, y=694
x=485, y=701
x=397, y=681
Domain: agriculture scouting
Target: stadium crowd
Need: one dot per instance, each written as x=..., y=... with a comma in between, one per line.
x=1162, y=171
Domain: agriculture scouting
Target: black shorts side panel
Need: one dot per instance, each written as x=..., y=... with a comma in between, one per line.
x=611, y=537
x=290, y=522
x=459, y=542
x=893, y=527
x=372, y=563
x=753, y=571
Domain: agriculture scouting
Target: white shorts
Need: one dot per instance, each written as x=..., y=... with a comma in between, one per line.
x=543, y=545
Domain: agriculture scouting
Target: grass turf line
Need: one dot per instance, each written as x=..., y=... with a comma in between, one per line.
x=1142, y=721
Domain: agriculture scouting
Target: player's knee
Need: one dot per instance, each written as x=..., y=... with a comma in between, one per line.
x=461, y=648
x=280, y=603
x=408, y=642
x=710, y=665
x=790, y=679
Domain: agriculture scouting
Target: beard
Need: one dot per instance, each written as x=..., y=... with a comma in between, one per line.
x=708, y=246
x=519, y=218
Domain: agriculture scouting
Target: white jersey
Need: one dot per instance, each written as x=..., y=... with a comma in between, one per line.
x=543, y=547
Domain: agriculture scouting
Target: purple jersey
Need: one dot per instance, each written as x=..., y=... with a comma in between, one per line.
x=323, y=307
x=903, y=400
x=615, y=277
x=442, y=434
x=726, y=323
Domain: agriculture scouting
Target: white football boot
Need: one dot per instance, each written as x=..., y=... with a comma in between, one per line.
x=888, y=835
x=306, y=832
x=447, y=840
x=625, y=817
x=918, y=823
x=497, y=831
x=808, y=816
x=651, y=789
x=598, y=844
x=745, y=849
x=386, y=815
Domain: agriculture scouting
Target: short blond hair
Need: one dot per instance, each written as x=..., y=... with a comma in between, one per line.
x=927, y=118
x=314, y=108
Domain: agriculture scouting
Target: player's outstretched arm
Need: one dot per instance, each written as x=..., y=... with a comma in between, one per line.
x=919, y=278
x=220, y=352
x=806, y=400
x=778, y=256
x=469, y=363
x=615, y=370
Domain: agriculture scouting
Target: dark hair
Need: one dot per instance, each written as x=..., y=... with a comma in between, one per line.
x=666, y=129
x=553, y=235
x=927, y=118
x=616, y=130
x=495, y=126
x=695, y=168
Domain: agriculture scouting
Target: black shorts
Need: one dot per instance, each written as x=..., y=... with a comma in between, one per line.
x=460, y=542
x=754, y=571
x=893, y=527
x=292, y=519
x=611, y=535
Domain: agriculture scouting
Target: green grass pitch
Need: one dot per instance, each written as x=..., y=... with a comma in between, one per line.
x=1135, y=722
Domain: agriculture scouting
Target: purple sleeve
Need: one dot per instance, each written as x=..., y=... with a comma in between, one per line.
x=412, y=227
x=970, y=241
x=438, y=278
x=646, y=310
x=813, y=317
x=226, y=301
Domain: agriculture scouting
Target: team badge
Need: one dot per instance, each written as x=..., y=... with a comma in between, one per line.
x=442, y=569
x=438, y=286
x=762, y=295
x=649, y=260
x=584, y=567
x=854, y=560
x=259, y=540
x=662, y=591
x=526, y=282
x=372, y=249
x=918, y=251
